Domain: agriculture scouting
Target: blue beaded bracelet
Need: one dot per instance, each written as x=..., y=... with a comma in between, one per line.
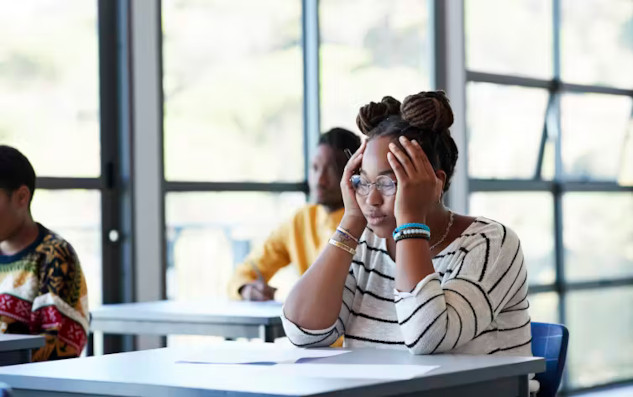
x=412, y=225
x=412, y=233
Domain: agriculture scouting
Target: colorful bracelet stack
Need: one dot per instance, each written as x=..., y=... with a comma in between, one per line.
x=412, y=230
x=346, y=235
x=342, y=238
x=342, y=246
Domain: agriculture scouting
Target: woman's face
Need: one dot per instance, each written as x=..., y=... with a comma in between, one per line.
x=376, y=206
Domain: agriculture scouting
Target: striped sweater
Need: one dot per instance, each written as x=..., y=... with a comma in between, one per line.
x=474, y=303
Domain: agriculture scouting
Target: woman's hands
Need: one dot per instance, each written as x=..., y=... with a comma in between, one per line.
x=353, y=219
x=419, y=188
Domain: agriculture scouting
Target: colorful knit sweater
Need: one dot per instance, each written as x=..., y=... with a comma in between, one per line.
x=43, y=291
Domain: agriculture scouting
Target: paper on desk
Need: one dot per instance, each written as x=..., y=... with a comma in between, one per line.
x=254, y=355
x=351, y=371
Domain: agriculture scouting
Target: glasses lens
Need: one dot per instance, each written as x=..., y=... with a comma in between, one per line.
x=360, y=185
x=386, y=185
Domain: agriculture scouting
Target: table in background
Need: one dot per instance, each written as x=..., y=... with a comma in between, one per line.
x=16, y=349
x=229, y=319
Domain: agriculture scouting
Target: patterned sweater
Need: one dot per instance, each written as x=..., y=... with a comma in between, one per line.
x=474, y=303
x=43, y=291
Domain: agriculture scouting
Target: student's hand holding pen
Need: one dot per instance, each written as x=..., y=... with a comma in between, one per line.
x=258, y=290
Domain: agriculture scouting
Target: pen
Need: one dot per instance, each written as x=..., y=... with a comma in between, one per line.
x=260, y=277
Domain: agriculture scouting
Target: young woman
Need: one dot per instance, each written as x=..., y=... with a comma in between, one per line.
x=403, y=271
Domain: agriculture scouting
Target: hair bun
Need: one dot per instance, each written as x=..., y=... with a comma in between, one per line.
x=428, y=110
x=370, y=115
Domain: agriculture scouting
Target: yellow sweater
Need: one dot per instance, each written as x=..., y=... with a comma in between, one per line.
x=298, y=241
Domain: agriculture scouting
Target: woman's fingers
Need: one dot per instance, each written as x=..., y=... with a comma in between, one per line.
x=403, y=158
x=415, y=153
x=397, y=168
x=354, y=162
x=421, y=158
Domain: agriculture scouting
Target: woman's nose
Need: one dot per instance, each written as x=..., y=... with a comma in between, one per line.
x=374, y=197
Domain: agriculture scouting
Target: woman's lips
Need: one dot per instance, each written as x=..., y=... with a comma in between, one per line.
x=375, y=219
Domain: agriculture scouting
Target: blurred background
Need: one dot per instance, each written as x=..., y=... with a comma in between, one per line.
x=168, y=144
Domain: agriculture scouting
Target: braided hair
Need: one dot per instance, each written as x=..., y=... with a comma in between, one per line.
x=425, y=117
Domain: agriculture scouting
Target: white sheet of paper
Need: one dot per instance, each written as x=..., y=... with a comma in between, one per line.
x=351, y=371
x=256, y=354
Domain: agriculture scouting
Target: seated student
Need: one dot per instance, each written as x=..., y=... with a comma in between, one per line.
x=42, y=287
x=402, y=271
x=300, y=240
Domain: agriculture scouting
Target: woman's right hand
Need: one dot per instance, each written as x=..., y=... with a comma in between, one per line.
x=353, y=217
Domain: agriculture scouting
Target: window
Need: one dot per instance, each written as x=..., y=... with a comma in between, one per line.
x=597, y=42
x=233, y=91
x=234, y=123
x=549, y=154
x=208, y=233
x=233, y=134
x=384, y=51
x=509, y=37
x=49, y=110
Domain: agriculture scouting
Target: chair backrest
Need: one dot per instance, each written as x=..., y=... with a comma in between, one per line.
x=550, y=341
x=5, y=390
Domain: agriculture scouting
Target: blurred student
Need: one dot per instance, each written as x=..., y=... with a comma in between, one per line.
x=42, y=287
x=299, y=240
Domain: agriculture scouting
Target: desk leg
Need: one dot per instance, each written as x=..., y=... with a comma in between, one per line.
x=524, y=386
x=266, y=333
x=90, y=346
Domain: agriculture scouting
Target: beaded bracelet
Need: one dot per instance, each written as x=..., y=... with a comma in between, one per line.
x=408, y=236
x=413, y=231
x=342, y=246
x=412, y=225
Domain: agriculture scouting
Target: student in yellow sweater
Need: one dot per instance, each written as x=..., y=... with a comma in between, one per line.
x=42, y=287
x=300, y=240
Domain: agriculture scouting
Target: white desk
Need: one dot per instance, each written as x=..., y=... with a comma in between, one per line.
x=16, y=349
x=228, y=319
x=156, y=373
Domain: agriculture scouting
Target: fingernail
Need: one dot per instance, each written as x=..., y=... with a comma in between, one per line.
x=392, y=145
x=403, y=139
x=414, y=141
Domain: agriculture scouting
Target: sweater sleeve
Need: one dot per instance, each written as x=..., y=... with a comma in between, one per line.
x=440, y=315
x=60, y=310
x=302, y=337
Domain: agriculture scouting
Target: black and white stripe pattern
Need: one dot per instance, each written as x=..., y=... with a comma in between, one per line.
x=475, y=302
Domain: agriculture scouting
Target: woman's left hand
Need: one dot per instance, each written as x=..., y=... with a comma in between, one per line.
x=419, y=188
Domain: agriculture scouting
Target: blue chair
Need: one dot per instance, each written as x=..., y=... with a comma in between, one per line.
x=5, y=390
x=550, y=341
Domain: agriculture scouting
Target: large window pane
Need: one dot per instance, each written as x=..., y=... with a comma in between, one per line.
x=534, y=227
x=76, y=216
x=233, y=90
x=369, y=49
x=600, y=337
x=625, y=177
x=597, y=42
x=598, y=235
x=49, y=78
x=505, y=125
x=509, y=37
x=593, y=141
x=209, y=233
x=544, y=307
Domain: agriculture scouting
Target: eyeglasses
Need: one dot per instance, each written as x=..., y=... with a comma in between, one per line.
x=385, y=185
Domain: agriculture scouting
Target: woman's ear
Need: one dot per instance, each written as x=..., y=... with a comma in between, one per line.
x=441, y=175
